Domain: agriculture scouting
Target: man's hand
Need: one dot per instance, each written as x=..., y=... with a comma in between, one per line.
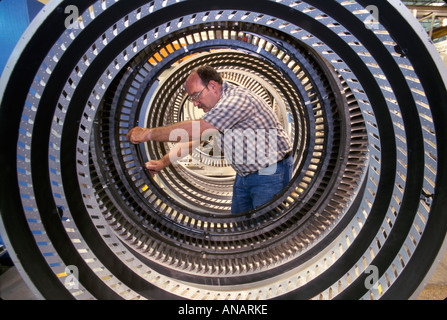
x=155, y=166
x=137, y=135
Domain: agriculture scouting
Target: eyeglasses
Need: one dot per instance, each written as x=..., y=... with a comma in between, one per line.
x=196, y=97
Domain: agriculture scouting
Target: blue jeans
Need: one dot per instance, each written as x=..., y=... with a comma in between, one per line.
x=260, y=187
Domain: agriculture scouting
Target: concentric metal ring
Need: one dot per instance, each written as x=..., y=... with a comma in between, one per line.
x=365, y=119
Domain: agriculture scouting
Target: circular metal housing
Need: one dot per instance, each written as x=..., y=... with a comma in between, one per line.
x=358, y=87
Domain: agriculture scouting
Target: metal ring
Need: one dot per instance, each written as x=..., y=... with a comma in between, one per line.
x=365, y=115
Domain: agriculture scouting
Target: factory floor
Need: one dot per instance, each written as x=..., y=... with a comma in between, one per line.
x=436, y=288
x=12, y=287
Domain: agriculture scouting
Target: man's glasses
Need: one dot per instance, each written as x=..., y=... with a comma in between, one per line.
x=196, y=97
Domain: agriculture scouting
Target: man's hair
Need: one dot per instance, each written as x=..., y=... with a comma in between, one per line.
x=208, y=73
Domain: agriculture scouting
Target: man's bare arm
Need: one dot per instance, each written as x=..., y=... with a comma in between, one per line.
x=179, y=151
x=191, y=130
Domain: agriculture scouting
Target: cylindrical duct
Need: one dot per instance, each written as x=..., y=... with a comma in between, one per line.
x=356, y=84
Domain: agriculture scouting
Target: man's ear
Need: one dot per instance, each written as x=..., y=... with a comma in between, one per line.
x=213, y=85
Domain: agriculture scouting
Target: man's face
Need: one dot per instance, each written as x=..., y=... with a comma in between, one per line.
x=203, y=97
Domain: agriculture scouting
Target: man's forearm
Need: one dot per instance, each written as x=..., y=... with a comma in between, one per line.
x=174, y=133
x=179, y=132
x=179, y=151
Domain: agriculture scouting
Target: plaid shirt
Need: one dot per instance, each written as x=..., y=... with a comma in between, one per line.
x=251, y=135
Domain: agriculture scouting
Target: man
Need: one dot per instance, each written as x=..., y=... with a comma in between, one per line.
x=251, y=136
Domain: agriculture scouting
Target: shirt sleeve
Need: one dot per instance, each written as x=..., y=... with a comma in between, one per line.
x=228, y=112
